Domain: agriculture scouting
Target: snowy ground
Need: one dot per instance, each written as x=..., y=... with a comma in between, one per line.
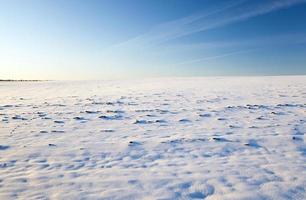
x=183, y=138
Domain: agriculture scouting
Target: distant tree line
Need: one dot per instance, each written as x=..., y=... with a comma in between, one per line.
x=12, y=80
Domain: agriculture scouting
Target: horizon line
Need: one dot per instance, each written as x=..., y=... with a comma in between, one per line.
x=155, y=77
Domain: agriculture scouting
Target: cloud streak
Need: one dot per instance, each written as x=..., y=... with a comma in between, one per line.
x=246, y=45
x=208, y=58
x=154, y=48
x=233, y=12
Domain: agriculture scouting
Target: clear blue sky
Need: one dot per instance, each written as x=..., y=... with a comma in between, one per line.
x=101, y=39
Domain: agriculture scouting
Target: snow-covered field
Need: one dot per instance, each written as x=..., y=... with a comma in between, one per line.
x=180, y=138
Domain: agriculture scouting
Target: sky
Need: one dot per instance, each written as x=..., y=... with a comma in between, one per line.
x=105, y=39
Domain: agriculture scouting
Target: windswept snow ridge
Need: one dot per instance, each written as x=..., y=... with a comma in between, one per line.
x=180, y=138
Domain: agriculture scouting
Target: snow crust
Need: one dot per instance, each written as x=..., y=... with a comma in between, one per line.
x=167, y=138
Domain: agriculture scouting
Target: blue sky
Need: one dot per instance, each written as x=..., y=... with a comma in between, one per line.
x=102, y=39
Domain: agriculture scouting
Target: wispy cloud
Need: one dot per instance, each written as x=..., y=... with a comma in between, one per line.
x=155, y=47
x=281, y=39
x=232, y=12
x=246, y=46
x=207, y=58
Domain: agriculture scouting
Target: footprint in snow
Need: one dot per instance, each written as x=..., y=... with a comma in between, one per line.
x=253, y=143
x=91, y=112
x=41, y=114
x=184, y=121
x=7, y=106
x=4, y=147
x=160, y=121
x=206, y=191
x=221, y=119
x=46, y=118
x=57, y=131
x=18, y=117
x=114, y=117
x=278, y=113
x=115, y=111
x=150, y=115
x=219, y=139
x=205, y=115
x=261, y=118
x=79, y=118
x=107, y=131
x=43, y=131
x=162, y=111
x=298, y=132
x=134, y=143
x=233, y=126
x=144, y=110
x=297, y=138
x=143, y=122
x=59, y=122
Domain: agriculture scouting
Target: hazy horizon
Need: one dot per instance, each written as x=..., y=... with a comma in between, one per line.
x=158, y=77
x=94, y=40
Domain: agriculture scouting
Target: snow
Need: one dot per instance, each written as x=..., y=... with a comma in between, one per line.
x=166, y=138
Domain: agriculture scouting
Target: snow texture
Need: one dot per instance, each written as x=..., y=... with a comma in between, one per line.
x=168, y=138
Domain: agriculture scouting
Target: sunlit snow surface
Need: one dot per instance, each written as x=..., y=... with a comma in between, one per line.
x=179, y=138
